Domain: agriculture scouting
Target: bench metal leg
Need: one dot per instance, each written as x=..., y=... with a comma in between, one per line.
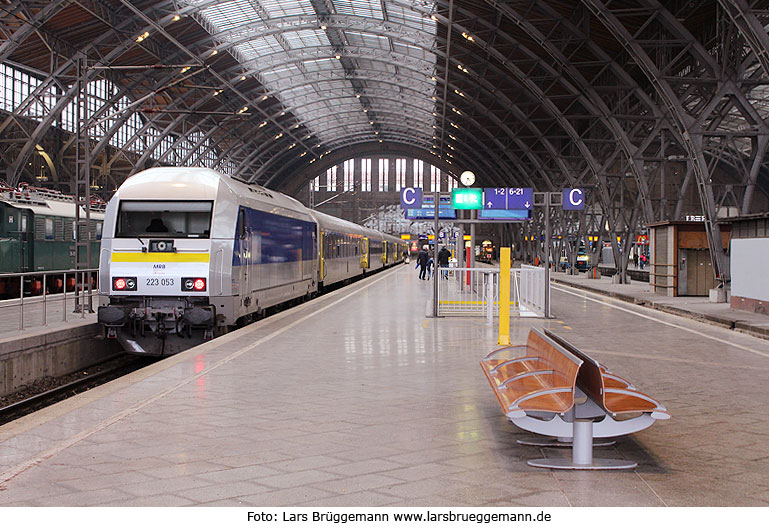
x=582, y=453
x=561, y=441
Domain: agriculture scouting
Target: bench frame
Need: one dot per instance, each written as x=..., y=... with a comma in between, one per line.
x=587, y=419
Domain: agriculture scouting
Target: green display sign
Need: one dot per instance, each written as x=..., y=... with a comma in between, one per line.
x=468, y=198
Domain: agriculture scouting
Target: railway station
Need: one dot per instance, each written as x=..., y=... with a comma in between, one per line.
x=384, y=255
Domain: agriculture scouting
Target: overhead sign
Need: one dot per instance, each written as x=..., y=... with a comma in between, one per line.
x=405, y=237
x=573, y=199
x=471, y=198
x=513, y=215
x=495, y=198
x=411, y=198
x=520, y=197
x=428, y=213
x=508, y=198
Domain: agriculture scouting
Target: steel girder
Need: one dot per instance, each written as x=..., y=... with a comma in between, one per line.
x=680, y=98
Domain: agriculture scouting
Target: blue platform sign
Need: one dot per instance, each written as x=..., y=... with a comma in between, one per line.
x=573, y=199
x=495, y=198
x=411, y=198
x=520, y=198
x=512, y=215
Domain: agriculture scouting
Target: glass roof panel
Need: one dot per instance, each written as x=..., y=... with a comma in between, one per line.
x=364, y=8
x=309, y=82
x=307, y=38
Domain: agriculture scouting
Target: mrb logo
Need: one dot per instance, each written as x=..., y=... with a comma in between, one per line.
x=159, y=266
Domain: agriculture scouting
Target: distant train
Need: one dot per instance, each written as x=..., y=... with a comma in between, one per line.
x=188, y=252
x=37, y=234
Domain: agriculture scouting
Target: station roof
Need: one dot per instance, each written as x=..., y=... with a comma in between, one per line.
x=546, y=93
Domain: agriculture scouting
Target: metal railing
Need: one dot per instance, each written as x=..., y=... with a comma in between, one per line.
x=44, y=296
x=532, y=291
x=475, y=292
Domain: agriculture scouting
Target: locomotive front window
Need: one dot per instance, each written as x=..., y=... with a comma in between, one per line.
x=164, y=219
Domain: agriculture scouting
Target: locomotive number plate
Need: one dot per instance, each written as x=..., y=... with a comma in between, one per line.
x=159, y=281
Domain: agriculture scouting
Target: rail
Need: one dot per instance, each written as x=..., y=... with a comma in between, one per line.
x=37, y=295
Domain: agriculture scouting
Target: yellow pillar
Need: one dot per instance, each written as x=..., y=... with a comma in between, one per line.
x=504, y=296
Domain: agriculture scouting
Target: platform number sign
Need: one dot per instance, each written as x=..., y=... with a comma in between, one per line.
x=411, y=198
x=573, y=199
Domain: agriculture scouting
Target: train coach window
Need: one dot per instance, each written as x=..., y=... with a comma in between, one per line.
x=175, y=219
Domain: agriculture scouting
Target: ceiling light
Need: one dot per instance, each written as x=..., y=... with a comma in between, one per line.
x=243, y=78
x=324, y=27
x=265, y=97
x=214, y=53
x=279, y=136
x=292, y=145
x=176, y=18
x=242, y=109
x=186, y=69
x=143, y=36
x=262, y=124
x=302, y=154
x=337, y=56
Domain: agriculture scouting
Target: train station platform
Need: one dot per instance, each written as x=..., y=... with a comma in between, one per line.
x=700, y=308
x=357, y=399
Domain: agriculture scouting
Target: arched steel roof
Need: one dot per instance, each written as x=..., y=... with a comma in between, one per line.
x=604, y=94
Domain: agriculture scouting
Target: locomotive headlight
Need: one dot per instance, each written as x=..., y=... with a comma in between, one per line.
x=124, y=283
x=197, y=284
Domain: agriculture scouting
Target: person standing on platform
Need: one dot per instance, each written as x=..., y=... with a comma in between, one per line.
x=443, y=261
x=422, y=258
x=643, y=260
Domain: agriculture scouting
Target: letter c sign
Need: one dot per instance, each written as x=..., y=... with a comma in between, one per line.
x=411, y=198
x=573, y=199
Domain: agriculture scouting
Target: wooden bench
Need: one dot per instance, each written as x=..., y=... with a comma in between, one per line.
x=550, y=387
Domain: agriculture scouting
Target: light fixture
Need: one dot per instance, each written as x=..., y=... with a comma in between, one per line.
x=243, y=78
x=292, y=145
x=265, y=97
x=186, y=69
x=456, y=111
x=279, y=136
x=176, y=18
x=242, y=109
x=262, y=124
x=214, y=53
x=324, y=27
x=143, y=36
x=217, y=92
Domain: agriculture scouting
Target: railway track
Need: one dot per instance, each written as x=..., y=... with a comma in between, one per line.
x=113, y=368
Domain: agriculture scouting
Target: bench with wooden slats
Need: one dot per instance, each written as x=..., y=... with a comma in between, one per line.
x=539, y=376
x=550, y=387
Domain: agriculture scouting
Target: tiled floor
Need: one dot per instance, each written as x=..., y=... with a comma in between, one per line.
x=357, y=399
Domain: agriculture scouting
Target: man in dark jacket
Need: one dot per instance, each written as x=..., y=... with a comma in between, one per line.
x=422, y=258
x=443, y=261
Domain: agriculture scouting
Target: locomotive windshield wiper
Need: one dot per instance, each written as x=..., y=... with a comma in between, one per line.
x=144, y=248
